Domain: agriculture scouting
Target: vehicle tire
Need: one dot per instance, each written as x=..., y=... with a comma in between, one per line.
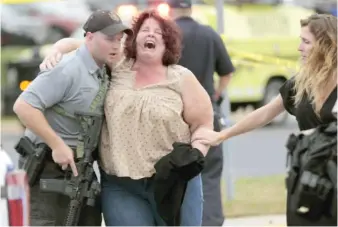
x=271, y=92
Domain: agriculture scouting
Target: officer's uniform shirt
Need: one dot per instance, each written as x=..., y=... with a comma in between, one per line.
x=71, y=85
x=203, y=52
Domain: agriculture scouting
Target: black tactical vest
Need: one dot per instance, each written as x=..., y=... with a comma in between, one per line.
x=312, y=172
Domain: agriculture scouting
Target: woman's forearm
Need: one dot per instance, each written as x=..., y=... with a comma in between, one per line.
x=197, y=143
x=251, y=121
x=255, y=119
x=67, y=45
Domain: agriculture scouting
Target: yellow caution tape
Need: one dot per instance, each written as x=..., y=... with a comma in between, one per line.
x=261, y=58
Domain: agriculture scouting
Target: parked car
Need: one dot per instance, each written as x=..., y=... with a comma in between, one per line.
x=62, y=17
x=21, y=29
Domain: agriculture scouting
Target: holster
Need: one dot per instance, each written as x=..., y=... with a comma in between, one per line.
x=219, y=123
x=293, y=164
x=291, y=180
x=34, y=158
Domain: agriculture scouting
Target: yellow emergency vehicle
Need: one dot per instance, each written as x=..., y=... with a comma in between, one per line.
x=262, y=40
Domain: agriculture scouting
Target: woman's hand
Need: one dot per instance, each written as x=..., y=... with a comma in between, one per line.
x=210, y=137
x=51, y=60
x=61, y=47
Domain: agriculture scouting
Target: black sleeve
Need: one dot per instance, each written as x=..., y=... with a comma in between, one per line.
x=223, y=63
x=287, y=93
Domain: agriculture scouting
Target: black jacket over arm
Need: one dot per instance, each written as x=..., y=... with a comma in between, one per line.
x=173, y=172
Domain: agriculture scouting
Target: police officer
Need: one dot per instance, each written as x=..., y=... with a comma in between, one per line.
x=204, y=53
x=71, y=87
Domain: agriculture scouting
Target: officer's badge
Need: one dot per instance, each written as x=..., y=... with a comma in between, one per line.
x=114, y=17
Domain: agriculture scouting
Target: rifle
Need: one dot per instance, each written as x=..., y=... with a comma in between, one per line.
x=34, y=158
x=84, y=188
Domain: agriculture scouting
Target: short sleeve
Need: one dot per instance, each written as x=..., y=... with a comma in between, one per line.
x=287, y=93
x=223, y=63
x=47, y=89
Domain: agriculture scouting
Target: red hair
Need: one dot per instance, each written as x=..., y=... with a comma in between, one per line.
x=170, y=33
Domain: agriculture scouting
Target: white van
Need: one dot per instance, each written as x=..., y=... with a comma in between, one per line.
x=14, y=203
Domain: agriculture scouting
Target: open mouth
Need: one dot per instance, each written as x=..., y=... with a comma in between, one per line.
x=113, y=54
x=149, y=44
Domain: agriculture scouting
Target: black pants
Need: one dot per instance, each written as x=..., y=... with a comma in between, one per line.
x=211, y=178
x=49, y=208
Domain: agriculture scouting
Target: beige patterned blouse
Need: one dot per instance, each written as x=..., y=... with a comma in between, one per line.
x=141, y=123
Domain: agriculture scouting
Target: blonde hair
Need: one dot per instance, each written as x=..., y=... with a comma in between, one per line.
x=321, y=65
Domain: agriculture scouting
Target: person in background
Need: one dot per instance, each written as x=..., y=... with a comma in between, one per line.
x=150, y=104
x=204, y=54
x=310, y=95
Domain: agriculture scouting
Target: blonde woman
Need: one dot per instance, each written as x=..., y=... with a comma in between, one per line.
x=309, y=96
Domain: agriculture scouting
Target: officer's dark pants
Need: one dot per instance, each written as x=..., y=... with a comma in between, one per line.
x=211, y=178
x=50, y=209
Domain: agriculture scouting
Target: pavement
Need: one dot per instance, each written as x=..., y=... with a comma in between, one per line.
x=269, y=220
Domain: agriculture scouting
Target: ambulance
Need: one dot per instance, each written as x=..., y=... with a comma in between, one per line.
x=262, y=39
